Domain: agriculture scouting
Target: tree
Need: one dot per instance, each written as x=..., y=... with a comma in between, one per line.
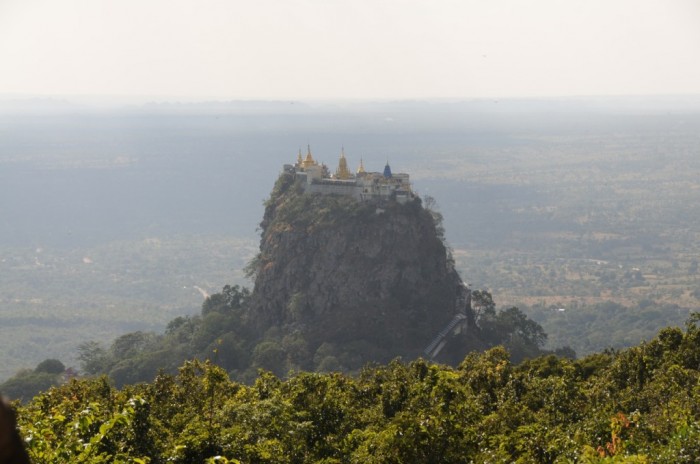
x=131, y=344
x=50, y=366
x=93, y=358
x=270, y=356
x=26, y=384
x=482, y=304
x=230, y=299
x=510, y=327
x=431, y=206
x=515, y=321
x=635, y=405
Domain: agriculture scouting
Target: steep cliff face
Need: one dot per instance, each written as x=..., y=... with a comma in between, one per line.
x=341, y=272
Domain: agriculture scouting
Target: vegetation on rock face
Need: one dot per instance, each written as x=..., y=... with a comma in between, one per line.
x=637, y=405
x=343, y=272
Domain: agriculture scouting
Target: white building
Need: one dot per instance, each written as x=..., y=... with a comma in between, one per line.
x=363, y=185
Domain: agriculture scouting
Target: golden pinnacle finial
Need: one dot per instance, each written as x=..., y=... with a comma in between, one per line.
x=343, y=172
x=361, y=169
x=309, y=160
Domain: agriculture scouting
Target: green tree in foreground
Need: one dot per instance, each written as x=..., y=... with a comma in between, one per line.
x=638, y=405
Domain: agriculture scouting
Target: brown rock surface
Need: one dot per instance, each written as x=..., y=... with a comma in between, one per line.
x=343, y=271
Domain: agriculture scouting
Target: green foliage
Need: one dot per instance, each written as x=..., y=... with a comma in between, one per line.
x=298, y=211
x=226, y=333
x=27, y=383
x=523, y=337
x=634, y=406
x=231, y=299
x=270, y=356
x=431, y=206
x=50, y=366
x=220, y=333
x=93, y=357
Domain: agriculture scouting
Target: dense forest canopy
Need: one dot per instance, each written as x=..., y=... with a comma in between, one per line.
x=639, y=405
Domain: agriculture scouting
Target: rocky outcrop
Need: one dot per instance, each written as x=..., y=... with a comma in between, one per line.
x=341, y=271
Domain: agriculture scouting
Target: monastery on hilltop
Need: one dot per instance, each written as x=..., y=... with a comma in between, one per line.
x=363, y=185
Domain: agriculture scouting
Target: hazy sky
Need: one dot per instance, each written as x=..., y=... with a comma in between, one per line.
x=307, y=49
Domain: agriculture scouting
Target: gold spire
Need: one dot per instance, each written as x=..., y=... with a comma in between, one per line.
x=309, y=160
x=299, y=159
x=361, y=169
x=343, y=172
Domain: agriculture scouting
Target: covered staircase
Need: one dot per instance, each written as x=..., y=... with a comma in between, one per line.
x=438, y=343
